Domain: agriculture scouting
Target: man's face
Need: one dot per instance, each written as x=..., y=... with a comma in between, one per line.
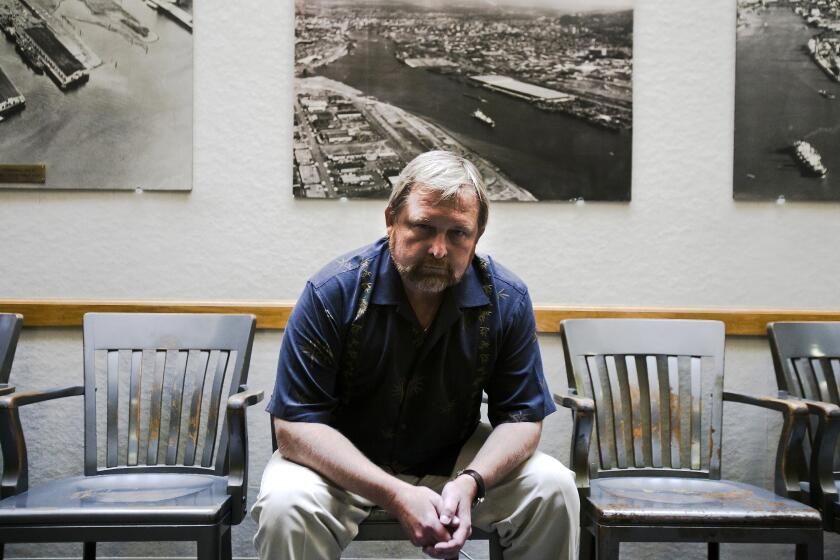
x=433, y=242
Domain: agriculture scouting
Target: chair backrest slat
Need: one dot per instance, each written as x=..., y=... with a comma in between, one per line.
x=640, y=404
x=658, y=433
x=155, y=407
x=134, y=408
x=617, y=367
x=163, y=383
x=195, y=393
x=673, y=403
x=657, y=388
x=10, y=325
x=176, y=396
x=113, y=403
x=834, y=365
x=222, y=365
x=696, y=417
x=604, y=414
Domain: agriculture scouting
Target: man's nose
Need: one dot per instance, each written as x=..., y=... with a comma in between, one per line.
x=438, y=247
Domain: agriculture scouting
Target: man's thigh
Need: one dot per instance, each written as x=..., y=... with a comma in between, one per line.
x=296, y=498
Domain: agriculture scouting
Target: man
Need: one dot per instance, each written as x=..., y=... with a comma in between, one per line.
x=379, y=384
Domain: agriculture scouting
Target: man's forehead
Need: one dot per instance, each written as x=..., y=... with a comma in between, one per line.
x=422, y=197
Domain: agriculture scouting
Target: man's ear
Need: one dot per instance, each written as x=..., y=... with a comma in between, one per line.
x=389, y=218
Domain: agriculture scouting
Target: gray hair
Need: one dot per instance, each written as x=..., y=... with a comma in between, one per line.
x=442, y=172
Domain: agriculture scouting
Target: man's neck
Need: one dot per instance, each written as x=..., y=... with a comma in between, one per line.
x=424, y=304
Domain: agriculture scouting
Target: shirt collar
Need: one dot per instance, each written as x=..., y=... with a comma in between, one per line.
x=388, y=289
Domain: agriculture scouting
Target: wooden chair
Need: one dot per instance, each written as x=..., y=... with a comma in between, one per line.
x=10, y=324
x=806, y=357
x=382, y=526
x=165, y=444
x=654, y=391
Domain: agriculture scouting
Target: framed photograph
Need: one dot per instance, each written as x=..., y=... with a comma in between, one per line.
x=99, y=92
x=787, y=101
x=537, y=93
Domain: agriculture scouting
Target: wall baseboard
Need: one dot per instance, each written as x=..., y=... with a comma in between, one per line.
x=274, y=314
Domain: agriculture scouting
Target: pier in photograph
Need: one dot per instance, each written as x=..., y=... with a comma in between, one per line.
x=10, y=98
x=62, y=65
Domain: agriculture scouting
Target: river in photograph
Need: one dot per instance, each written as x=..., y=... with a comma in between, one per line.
x=778, y=101
x=129, y=126
x=554, y=156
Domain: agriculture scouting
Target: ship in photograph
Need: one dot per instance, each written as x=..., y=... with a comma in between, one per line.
x=809, y=158
x=479, y=114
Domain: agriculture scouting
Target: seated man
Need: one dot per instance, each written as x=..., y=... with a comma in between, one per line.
x=379, y=386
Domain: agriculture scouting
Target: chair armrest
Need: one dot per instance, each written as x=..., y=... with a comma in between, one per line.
x=14, y=400
x=15, y=463
x=583, y=410
x=237, y=487
x=794, y=417
x=6, y=389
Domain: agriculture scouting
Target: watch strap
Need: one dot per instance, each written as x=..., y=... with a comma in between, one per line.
x=479, y=482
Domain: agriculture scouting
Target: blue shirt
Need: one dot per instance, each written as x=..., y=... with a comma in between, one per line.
x=355, y=357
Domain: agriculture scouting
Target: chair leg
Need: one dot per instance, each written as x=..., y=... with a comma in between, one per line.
x=495, y=547
x=227, y=549
x=812, y=549
x=2, y=546
x=714, y=551
x=89, y=551
x=607, y=546
x=587, y=545
x=209, y=546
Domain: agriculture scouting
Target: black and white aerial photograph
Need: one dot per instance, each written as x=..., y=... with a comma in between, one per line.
x=537, y=93
x=99, y=91
x=787, y=100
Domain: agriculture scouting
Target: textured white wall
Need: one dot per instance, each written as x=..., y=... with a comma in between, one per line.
x=682, y=241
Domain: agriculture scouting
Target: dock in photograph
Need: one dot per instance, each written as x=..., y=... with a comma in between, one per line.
x=62, y=65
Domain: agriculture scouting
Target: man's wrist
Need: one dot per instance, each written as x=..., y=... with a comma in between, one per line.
x=480, y=487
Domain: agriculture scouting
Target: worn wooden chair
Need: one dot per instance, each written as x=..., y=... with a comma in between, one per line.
x=806, y=357
x=165, y=441
x=382, y=526
x=654, y=391
x=10, y=324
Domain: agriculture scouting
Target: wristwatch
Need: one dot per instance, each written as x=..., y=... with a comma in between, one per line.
x=479, y=482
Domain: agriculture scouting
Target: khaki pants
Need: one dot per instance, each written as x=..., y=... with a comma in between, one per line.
x=301, y=515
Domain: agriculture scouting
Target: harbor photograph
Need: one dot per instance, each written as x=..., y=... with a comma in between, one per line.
x=538, y=93
x=99, y=92
x=787, y=100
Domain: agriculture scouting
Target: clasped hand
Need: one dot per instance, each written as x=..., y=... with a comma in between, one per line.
x=440, y=524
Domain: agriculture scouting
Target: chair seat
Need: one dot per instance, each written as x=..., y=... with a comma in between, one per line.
x=120, y=498
x=682, y=501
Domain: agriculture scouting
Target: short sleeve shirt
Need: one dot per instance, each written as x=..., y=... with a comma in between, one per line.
x=354, y=357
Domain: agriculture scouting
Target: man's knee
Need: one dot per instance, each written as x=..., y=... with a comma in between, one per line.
x=284, y=505
x=290, y=498
x=552, y=483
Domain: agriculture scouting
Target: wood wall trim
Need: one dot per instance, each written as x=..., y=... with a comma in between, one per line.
x=274, y=314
